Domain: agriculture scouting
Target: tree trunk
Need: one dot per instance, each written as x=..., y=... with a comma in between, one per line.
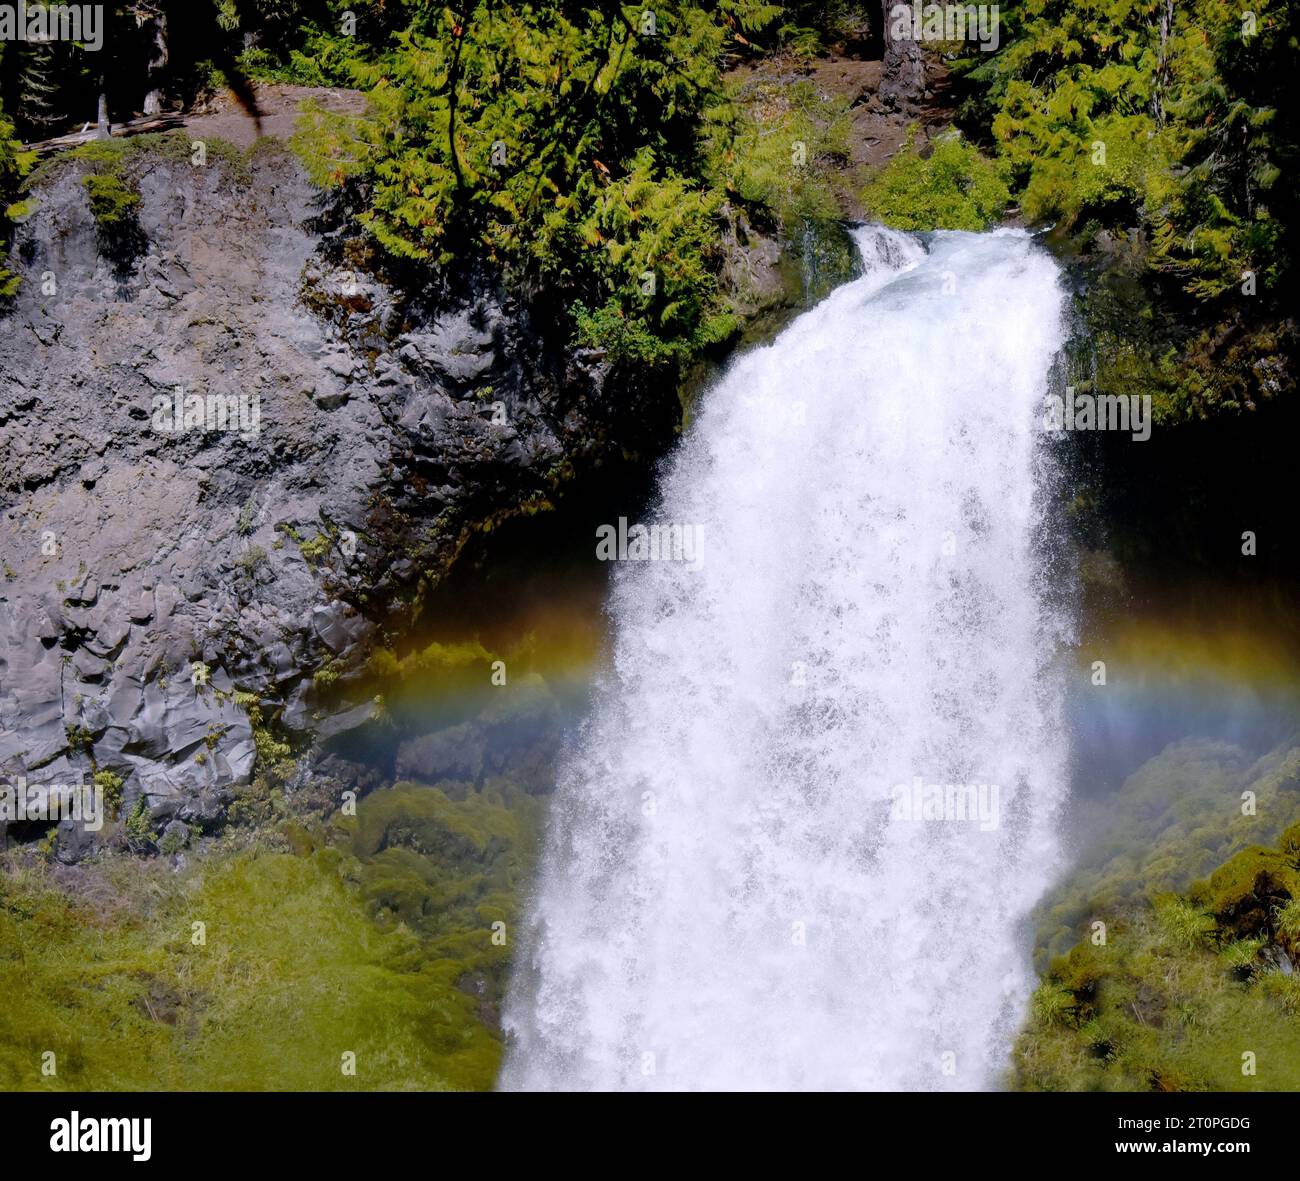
x=1162, y=62
x=902, y=81
x=105, y=128
x=153, y=101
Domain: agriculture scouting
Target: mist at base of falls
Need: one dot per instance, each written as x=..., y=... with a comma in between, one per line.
x=820, y=784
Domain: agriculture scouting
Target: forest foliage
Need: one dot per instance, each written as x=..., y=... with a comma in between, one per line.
x=1160, y=136
x=600, y=153
x=1175, y=116
x=559, y=143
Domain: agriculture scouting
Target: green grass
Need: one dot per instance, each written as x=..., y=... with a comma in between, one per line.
x=1199, y=905
x=374, y=938
x=1175, y=820
x=1148, y=1011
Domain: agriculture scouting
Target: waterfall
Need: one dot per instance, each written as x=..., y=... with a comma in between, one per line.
x=795, y=843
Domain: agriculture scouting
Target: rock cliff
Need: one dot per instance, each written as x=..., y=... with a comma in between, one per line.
x=157, y=583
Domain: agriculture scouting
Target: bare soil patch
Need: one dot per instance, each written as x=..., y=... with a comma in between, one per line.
x=224, y=117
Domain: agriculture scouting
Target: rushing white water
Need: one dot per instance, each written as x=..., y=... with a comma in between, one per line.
x=730, y=896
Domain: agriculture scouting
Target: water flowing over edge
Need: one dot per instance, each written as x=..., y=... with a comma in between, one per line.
x=817, y=791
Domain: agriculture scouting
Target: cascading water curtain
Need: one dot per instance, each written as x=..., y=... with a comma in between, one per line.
x=818, y=790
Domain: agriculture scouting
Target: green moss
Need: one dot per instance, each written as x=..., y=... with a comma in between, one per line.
x=290, y=976
x=1185, y=985
x=460, y=665
x=129, y=155
x=451, y=870
x=314, y=551
x=328, y=673
x=444, y=865
x=113, y=202
x=1146, y=1012
x=1245, y=893
x=379, y=942
x=274, y=755
x=1175, y=820
x=80, y=739
x=111, y=171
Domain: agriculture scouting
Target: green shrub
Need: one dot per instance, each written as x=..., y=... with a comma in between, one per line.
x=111, y=785
x=113, y=202
x=776, y=145
x=139, y=826
x=952, y=187
x=14, y=165
x=173, y=842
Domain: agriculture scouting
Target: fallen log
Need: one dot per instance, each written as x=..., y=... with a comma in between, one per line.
x=87, y=135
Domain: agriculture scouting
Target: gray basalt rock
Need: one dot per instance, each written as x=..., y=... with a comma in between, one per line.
x=147, y=576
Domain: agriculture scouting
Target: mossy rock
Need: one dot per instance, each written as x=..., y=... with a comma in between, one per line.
x=1244, y=892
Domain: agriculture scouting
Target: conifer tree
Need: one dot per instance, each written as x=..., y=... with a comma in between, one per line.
x=39, y=105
